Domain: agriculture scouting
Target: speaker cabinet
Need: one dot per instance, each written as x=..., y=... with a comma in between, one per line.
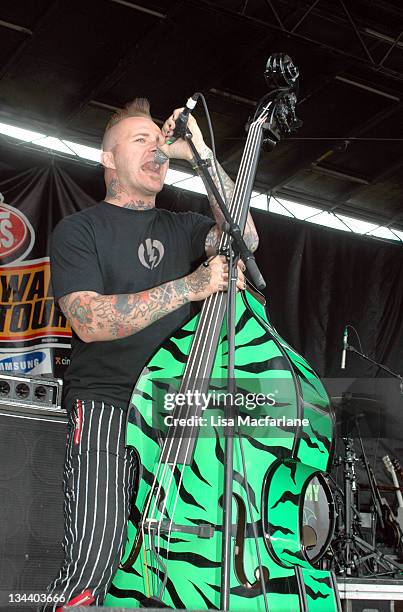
x=32, y=449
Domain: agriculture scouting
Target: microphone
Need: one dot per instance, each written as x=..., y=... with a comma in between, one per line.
x=182, y=120
x=160, y=158
x=343, y=354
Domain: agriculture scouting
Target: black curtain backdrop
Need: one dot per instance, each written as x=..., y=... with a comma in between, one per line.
x=318, y=279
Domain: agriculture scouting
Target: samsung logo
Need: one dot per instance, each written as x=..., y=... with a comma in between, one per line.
x=22, y=363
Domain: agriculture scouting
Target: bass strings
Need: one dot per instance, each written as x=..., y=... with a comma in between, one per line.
x=210, y=317
x=244, y=172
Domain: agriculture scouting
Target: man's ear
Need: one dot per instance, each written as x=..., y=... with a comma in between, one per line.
x=108, y=160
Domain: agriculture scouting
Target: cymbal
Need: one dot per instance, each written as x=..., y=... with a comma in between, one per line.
x=358, y=401
x=350, y=408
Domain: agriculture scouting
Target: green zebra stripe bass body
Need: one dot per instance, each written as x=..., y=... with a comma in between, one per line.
x=174, y=543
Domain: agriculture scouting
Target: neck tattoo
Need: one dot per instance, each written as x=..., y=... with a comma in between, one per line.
x=138, y=205
x=116, y=192
x=114, y=189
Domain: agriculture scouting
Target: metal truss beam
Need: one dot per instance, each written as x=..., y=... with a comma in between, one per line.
x=16, y=27
x=108, y=79
x=382, y=176
x=356, y=133
x=364, y=128
x=29, y=41
x=357, y=32
x=360, y=60
x=304, y=16
x=142, y=9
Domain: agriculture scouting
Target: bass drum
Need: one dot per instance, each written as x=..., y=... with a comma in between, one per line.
x=317, y=517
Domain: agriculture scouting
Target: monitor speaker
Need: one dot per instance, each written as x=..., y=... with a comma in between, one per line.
x=32, y=449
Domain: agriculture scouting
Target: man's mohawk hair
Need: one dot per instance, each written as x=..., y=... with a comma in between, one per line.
x=139, y=107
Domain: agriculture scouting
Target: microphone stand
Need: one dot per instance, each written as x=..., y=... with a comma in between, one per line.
x=230, y=227
x=352, y=349
x=352, y=540
x=371, y=479
x=238, y=248
x=377, y=504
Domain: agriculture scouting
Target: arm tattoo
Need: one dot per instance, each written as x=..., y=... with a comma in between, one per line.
x=76, y=310
x=199, y=280
x=213, y=237
x=227, y=184
x=96, y=317
x=213, y=240
x=250, y=234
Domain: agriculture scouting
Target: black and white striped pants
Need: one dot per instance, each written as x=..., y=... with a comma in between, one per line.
x=98, y=483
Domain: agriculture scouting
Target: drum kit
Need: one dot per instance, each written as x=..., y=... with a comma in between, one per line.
x=335, y=533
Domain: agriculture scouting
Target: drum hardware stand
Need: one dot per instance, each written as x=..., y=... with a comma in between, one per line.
x=352, y=539
x=330, y=560
x=349, y=539
x=355, y=550
x=350, y=489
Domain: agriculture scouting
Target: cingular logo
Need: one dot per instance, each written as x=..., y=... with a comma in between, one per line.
x=16, y=234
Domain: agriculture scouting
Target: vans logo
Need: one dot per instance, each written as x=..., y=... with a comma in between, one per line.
x=16, y=234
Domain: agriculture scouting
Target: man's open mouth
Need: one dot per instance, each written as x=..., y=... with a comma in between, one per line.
x=151, y=167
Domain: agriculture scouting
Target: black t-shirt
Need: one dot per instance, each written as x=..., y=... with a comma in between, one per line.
x=113, y=250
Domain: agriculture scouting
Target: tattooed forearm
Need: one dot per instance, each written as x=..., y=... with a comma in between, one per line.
x=96, y=317
x=76, y=309
x=216, y=172
x=250, y=234
x=198, y=281
x=213, y=237
x=213, y=240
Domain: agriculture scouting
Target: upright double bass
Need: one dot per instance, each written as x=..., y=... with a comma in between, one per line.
x=173, y=555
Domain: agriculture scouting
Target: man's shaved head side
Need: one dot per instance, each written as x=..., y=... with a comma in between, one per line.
x=139, y=107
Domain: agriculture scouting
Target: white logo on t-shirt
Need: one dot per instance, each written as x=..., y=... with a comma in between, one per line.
x=151, y=253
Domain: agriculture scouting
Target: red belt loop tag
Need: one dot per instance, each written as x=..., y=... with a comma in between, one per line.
x=84, y=599
x=79, y=423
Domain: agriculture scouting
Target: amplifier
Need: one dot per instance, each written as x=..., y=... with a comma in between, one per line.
x=32, y=452
x=41, y=395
